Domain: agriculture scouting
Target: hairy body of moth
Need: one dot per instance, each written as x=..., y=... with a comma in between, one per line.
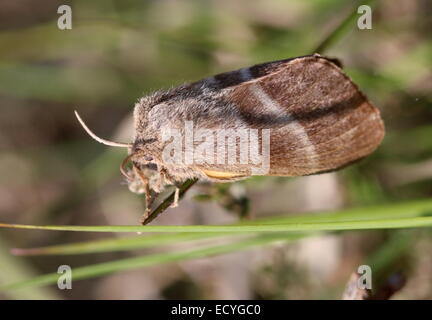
x=316, y=117
x=223, y=147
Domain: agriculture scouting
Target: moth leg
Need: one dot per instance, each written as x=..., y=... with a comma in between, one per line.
x=147, y=192
x=170, y=180
x=158, y=184
x=176, y=197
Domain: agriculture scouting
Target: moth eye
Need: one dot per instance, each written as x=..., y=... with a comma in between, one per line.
x=152, y=166
x=148, y=158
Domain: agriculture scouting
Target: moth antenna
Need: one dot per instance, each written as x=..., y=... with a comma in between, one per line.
x=103, y=141
x=123, y=166
x=125, y=163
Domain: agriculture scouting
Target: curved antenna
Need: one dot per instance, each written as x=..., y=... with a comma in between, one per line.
x=103, y=141
x=125, y=163
x=123, y=166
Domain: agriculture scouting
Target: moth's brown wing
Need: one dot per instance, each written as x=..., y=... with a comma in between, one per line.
x=318, y=119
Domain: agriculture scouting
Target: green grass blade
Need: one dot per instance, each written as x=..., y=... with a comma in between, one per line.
x=341, y=28
x=416, y=222
x=118, y=244
x=14, y=269
x=400, y=215
x=416, y=208
x=153, y=259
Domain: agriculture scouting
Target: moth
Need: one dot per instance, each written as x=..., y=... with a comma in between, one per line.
x=293, y=117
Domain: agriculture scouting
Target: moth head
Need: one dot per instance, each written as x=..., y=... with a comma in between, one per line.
x=137, y=154
x=135, y=182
